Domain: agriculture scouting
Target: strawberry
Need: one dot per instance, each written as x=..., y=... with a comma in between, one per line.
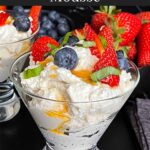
x=144, y=16
x=130, y=24
x=98, y=20
x=108, y=58
x=90, y=35
x=131, y=51
x=144, y=46
x=35, y=13
x=40, y=47
x=3, y=8
x=106, y=33
x=3, y=17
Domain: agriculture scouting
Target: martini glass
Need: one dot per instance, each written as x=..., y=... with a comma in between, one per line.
x=73, y=130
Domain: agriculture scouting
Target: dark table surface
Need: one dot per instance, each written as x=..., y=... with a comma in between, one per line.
x=21, y=133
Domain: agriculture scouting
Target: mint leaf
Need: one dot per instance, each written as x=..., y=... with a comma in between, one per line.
x=104, y=72
x=29, y=73
x=87, y=44
x=66, y=37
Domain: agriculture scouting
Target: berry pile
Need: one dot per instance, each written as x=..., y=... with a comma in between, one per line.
x=125, y=29
x=53, y=24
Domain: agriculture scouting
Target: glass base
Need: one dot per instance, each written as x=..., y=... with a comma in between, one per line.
x=47, y=147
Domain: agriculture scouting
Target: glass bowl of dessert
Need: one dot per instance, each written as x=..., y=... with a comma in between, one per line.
x=73, y=89
x=18, y=31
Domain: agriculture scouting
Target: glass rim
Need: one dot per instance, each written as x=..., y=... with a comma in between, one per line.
x=23, y=39
x=54, y=100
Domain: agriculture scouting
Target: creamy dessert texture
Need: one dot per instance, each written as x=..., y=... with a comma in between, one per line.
x=15, y=37
x=75, y=82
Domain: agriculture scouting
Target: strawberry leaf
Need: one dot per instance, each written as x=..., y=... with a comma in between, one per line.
x=104, y=72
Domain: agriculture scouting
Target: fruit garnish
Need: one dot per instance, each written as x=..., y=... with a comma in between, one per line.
x=71, y=41
x=108, y=58
x=35, y=14
x=131, y=25
x=66, y=58
x=40, y=47
x=22, y=23
x=143, y=43
x=92, y=36
x=144, y=16
x=102, y=16
x=122, y=60
x=104, y=72
x=79, y=33
x=54, y=49
x=29, y=73
x=106, y=35
x=3, y=17
x=3, y=8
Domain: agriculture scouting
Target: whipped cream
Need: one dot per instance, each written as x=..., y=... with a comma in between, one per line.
x=9, y=52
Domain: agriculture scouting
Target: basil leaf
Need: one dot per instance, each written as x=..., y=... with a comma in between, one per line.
x=104, y=72
x=29, y=73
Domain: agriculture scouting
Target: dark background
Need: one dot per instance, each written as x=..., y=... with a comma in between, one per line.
x=21, y=133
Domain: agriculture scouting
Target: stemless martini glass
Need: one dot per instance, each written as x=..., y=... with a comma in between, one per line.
x=54, y=125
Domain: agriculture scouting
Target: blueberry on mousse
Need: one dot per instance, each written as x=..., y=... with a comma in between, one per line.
x=66, y=58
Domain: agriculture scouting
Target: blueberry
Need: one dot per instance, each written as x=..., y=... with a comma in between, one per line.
x=22, y=23
x=18, y=10
x=53, y=34
x=3, y=114
x=62, y=20
x=120, y=54
x=123, y=64
x=63, y=28
x=48, y=25
x=71, y=41
x=44, y=18
x=42, y=32
x=66, y=58
x=53, y=15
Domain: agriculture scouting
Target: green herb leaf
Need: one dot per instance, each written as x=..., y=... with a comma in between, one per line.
x=29, y=73
x=79, y=35
x=103, y=40
x=104, y=72
x=54, y=51
x=66, y=37
x=87, y=44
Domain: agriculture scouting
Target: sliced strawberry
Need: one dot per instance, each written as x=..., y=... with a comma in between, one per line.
x=108, y=58
x=3, y=8
x=3, y=17
x=92, y=36
x=35, y=14
x=40, y=47
x=106, y=33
